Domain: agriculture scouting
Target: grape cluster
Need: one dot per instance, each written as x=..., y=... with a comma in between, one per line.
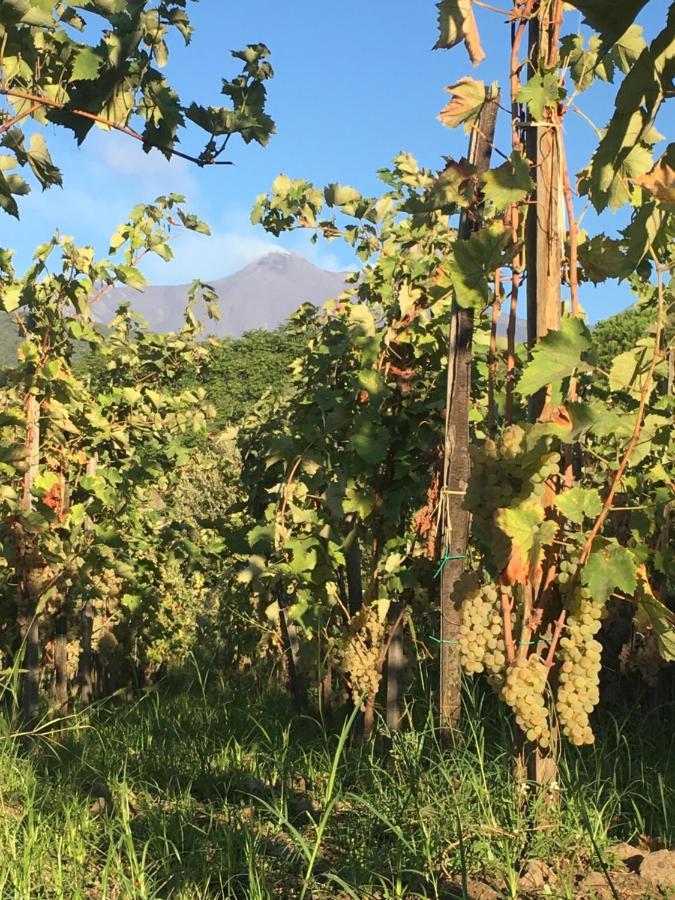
x=523, y=691
x=579, y=656
x=508, y=471
x=481, y=633
x=358, y=651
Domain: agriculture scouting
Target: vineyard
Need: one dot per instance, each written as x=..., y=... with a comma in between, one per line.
x=380, y=604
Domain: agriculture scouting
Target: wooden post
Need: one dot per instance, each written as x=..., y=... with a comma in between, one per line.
x=544, y=235
x=85, y=674
x=544, y=226
x=456, y=463
x=29, y=576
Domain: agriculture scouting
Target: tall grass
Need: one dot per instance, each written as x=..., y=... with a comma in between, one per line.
x=210, y=790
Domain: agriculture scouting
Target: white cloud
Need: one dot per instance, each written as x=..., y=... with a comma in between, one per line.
x=208, y=258
x=146, y=175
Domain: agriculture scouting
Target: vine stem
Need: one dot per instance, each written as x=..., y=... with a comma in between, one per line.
x=517, y=32
x=508, y=630
x=573, y=231
x=492, y=354
x=618, y=475
x=101, y=120
x=20, y=116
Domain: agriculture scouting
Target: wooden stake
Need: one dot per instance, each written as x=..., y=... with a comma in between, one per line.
x=456, y=464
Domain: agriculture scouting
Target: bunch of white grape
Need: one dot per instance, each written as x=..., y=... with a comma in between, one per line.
x=358, y=651
x=508, y=470
x=524, y=691
x=481, y=633
x=580, y=654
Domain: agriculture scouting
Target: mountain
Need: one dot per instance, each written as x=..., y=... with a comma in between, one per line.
x=261, y=295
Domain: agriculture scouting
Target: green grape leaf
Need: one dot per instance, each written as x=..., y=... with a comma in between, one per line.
x=473, y=264
x=37, y=156
x=305, y=554
x=10, y=297
x=86, y=64
x=611, y=19
x=624, y=152
x=542, y=90
x=601, y=258
x=555, y=356
x=370, y=440
x=509, y=183
x=629, y=370
x=609, y=566
x=261, y=538
x=357, y=499
x=456, y=23
x=339, y=195
x=578, y=502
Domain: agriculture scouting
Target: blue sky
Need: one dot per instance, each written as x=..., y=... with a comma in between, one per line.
x=356, y=82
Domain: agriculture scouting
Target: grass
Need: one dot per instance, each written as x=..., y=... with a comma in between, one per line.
x=214, y=789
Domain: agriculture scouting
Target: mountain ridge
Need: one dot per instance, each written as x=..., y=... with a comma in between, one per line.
x=263, y=294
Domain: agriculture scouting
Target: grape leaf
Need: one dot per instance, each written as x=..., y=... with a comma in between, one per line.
x=624, y=152
x=509, y=183
x=474, y=261
x=468, y=99
x=629, y=369
x=456, y=23
x=542, y=90
x=578, y=502
x=555, y=356
x=660, y=181
x=86, y=64
x=601, y=258
x=610, y=18
x=529, y=533
x=651, y=612
x=609, y=566
x=370, y=441
x=10, y=297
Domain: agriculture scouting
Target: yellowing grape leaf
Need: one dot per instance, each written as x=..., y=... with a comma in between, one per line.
x=660, y=181
x=456, y=23
x=529, y=533
x=468, y=98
